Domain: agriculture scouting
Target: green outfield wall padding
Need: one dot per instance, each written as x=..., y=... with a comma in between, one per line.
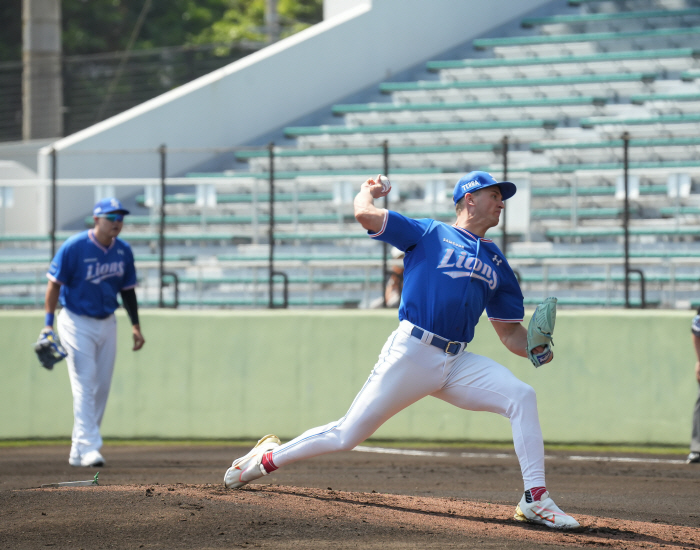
x=620, y=376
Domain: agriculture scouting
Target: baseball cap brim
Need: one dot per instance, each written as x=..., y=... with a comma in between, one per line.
x=507, y=188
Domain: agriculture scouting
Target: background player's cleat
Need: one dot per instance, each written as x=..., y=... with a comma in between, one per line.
x=247, y=468
x=91, y=458
x=693, y=458
x=544, y=512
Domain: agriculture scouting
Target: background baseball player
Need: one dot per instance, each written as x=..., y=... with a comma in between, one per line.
x=694, y=455
x=86, y=275
x=452, y=273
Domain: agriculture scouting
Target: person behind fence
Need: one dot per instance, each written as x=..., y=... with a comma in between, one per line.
x=694, y=455
x=394, y=284
x=452, y=273
x=85, y=276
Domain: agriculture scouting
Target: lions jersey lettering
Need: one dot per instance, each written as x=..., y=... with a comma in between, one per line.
x=472, y=277
x=91, y=275
x=469, y=267
x=98, y=272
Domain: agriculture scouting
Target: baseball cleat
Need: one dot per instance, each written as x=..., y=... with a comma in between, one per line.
x=544, y=512
x=74, y=458
x=693, y=458
x=249, y=467
x=91, y=458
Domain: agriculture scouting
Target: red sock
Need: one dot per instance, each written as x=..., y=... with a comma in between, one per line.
x=537, y=492
x=267, y=462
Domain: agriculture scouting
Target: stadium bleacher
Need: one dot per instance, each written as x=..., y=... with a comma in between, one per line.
x=563, y=92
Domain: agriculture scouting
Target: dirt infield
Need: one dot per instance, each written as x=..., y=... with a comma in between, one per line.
x=171, y=496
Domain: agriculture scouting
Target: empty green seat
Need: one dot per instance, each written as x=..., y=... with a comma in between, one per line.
x=319, y=236
x=301, y=257
x=590, y=301
x=297, y=279
x=357, y=151
x=564, y=168
x=263, y=301
x=406, y=128
x=286, y=175
x=483, y=43
x=552, y=60
x=617, y=143
x=598, y=232
x=232, y=198
x=604, y=254
x=672, y=210
x=530, y=22
x=545, y=213
x=602, y=190
x=638, y=99
x=389, y=87
x=12, y=281
x=20, y=301
x=221, y=220
x=511, y=103
x=634, y=121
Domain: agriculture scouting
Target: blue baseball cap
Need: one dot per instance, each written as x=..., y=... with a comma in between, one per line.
x=110, y=205
x=476, y=180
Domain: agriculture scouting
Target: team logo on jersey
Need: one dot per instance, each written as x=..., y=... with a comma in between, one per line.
x=98, y=272
x=496, y=259
x=468, y=266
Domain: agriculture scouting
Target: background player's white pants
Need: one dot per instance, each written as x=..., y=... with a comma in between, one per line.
x=408, y=370
x=92, y=347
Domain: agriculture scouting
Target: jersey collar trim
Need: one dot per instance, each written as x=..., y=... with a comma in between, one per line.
x=91, y=236
x=470, y=234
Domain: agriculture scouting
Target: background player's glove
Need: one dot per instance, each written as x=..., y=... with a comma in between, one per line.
x=695, y=327
x=48, y=349
x=540, y=331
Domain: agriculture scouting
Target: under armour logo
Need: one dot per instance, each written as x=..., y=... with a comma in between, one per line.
x=496, y=259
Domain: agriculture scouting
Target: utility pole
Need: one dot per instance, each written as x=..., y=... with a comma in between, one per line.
x=272, y=21
x=42, y=82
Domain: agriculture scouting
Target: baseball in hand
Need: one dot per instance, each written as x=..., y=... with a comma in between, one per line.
x=386, y=184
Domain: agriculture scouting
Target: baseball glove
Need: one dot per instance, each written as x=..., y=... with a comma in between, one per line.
x=695, y=326
x=48, y=349
x=540, y=332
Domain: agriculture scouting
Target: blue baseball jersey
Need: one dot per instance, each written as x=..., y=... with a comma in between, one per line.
x=450, y=277
x=91, y=275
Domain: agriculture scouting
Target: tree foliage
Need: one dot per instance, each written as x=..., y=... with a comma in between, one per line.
x=98, y=26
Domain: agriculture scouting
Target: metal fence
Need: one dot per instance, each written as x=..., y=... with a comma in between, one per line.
x=282, y=238
x=96, y=87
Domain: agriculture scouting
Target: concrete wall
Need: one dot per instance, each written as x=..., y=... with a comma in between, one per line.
x=361, y=44
x=618, y=376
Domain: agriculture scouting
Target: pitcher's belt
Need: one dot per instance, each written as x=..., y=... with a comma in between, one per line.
x=450, y=348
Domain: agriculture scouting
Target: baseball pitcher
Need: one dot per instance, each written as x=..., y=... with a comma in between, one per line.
x=452, y=274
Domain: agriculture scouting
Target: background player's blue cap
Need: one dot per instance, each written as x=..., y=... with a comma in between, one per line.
x=476, y=180
x=110, y=205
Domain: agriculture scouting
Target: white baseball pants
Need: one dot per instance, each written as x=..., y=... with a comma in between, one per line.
x=92, y=348
x=408, y=370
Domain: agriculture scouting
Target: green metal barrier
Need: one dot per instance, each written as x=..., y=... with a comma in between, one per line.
x=618, y=377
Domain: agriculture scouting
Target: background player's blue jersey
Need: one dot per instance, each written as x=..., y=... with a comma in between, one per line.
x=450, y=277
x=91, y=275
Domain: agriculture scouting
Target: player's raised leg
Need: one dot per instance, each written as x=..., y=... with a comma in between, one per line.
x=395, y=383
